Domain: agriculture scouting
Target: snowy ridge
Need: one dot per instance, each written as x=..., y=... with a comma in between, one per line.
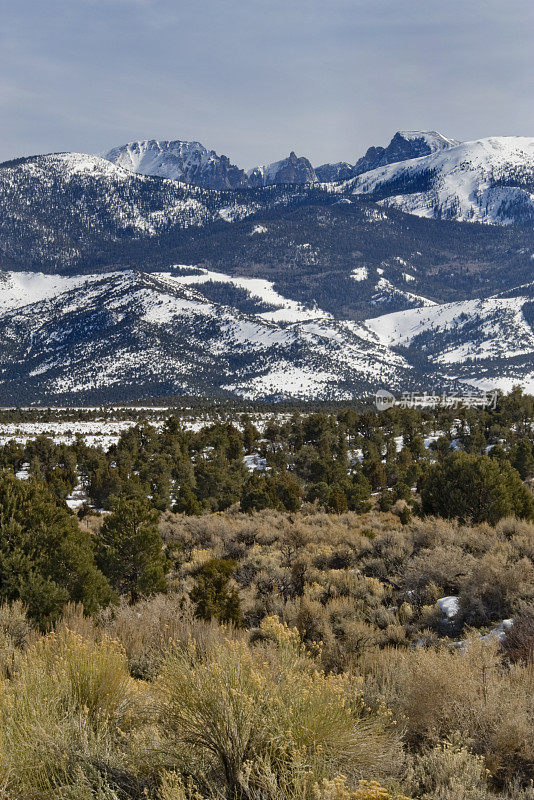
x=193, y=163
x=191, y=330
x=487, y=343
x=487, y=180
x=119, y=334
x=432, y=139
x=18, y=289
x=189, y=162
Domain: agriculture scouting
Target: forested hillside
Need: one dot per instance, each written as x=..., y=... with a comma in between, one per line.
x=329, y=605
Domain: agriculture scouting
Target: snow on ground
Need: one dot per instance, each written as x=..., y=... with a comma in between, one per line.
x=505, y=384
x=254, y=462
x=18, y=289
x=399, y=443
x=77, y=497
x=463, y=180
x=168, y=307
x=285, y=379
x=249, y=333
x=106, y=431
x=385, y=290
x=359, y=274
x=401, y=327
x=24, y=472
x=97, y=433
x=499, y=631
x=449, y=606
x=287, y=310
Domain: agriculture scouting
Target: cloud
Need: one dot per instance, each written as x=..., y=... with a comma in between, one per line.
x=258, y=78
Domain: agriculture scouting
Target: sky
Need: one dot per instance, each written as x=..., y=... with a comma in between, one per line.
x=254, y=79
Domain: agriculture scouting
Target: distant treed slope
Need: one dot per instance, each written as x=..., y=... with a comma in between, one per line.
x=486, y=343
x=69, y=213
x=55, y=209
x=70, y=210
x=357, y=260
x=129, y=335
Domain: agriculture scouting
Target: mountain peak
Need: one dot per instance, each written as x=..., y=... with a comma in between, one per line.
x=433, y=138
x=487, y=180
x=191, y=162
x=293, y=169
x=403, y=146
x=179, y=160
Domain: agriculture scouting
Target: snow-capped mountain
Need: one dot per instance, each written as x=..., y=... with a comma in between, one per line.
x=300, y=287
x=53, y=206
x=189, y=162
x=403, y=146
x=487, y=180
x=419, y=172
x=290, y=170
x=188, y=331
x=125, y=335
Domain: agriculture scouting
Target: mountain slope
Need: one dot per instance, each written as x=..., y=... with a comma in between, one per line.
x=487, y=180
x=486, y=343
x=290, y=170
x=128, y=335
x=189, y=162
x=403, y=146
x=311, y=290
x=67, y=210
x=69, y=213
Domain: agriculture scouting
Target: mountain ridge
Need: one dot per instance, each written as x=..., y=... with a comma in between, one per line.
x=130, y=334
x=304, y=288
x=487, y=180
x=191, y=162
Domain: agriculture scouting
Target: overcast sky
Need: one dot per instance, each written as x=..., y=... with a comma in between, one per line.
x=255, y=79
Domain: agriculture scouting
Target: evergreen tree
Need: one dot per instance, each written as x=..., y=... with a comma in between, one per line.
x=46, y=559
x=256, y=494
x=130, y=549
x=523, y=458
x=476, y=489
x=213, y=594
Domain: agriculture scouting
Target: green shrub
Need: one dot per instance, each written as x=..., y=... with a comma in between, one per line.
x=475, y=488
